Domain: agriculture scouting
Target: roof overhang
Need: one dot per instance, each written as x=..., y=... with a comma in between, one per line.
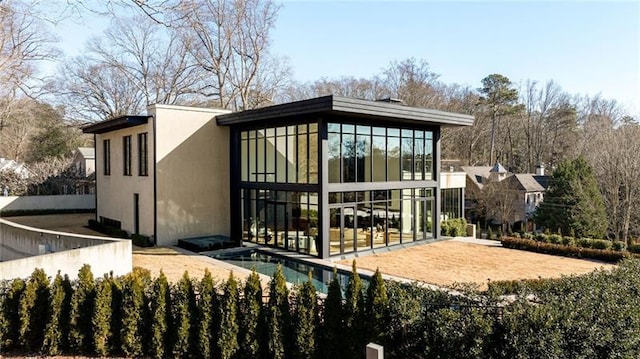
x=354, y=108
x=116, y=124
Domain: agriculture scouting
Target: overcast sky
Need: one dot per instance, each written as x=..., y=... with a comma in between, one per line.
x=586, y=47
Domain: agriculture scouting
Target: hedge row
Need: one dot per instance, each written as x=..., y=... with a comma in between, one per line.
x=591, y=316
x=606, y=255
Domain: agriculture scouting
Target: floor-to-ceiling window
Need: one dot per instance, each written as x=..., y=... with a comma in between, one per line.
x=271, y=215
x=389, y=214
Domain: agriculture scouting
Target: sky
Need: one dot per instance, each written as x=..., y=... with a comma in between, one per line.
x=586, y=47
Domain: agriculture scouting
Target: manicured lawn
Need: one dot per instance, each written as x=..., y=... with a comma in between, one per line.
x=447, y=262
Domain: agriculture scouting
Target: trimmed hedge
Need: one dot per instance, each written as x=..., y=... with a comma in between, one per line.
x=455, y=227
x=108, y=230
x=563, y=250
x=590, y=316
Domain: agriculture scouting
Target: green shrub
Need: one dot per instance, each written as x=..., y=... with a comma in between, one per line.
x=10, y=317
x=541, y=237
x=34, y=310
x=489, y=233
x=227, y=343
x=528, y=236
x=82, y=301
x=555, y=238
x=134, y=313
x=376, y=309
x=619, y=246
x=568, y=241
x=184, y=317
x=108, y=230
x=305, y=321
x=455, y=227
x=55, y=336
x=354, y=317
x=332, y=315
x=634, y=248
x=160, y=312
x=101, y=318
x=601, y=244
x=207, y=310
x=278, y=316
x=558, y=249
x=251, y=318
x=141, y=241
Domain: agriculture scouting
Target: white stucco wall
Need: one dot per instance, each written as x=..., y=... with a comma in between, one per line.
x=452, y=180
x=63, y=202
x=192, y=169
x=23, y=249
x=115, y=192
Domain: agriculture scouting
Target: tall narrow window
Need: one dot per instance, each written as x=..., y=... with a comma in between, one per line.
x=106, y=153
x=126, y=155
x=143, y=157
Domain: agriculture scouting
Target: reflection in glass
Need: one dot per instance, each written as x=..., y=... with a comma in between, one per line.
x=393, y=159
x=348, y=157
x=379, y=154
x=333, y=154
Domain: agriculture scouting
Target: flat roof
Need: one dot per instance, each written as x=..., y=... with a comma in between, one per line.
x=355, y=108
x=116, y=124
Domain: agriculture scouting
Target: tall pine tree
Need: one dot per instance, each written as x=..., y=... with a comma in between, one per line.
x=278, y=316
x=251, y=320
x=573, y=202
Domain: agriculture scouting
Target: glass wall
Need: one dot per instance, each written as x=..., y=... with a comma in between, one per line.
x=451, y=203
x=359, y=153
x=370, y=219
x=287, y=154
x=285, y=219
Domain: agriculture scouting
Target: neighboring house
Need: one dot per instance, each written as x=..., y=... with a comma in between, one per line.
x=501, y=196
x=326, y=176
x=11, y=166
x=84, y=167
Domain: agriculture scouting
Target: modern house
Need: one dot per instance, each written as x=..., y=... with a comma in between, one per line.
x=326, y=176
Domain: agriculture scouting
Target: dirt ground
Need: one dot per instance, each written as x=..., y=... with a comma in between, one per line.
x=448, y=262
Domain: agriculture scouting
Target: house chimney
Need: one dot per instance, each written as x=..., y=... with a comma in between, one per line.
x=540, y=170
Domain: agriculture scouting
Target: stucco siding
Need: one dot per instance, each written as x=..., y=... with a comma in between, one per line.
x=192, y=168
x=115, y=192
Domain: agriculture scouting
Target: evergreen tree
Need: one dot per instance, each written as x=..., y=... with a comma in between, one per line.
x=55, y=333
x=10, y=315
x=81, y=305
x=160, y=317
x=34, y=310
x=278, y=316
x=184, y=317
x=573, y=201
x=251, y=319
x=354, y=315
x=116, y=312
x=133, y=314
x=228, y=324
x=377, y=309
x=333, y=327
x=101, y=318
x=305, y=321
x=207, y=309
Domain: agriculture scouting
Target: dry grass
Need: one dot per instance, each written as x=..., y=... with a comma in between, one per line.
x=174, y=263
x=448, y=262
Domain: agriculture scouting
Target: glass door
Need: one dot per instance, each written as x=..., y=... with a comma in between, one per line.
x=423, y=219
x=342, y=229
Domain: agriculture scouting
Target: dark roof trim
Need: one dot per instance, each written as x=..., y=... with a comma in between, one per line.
x=116, y=124
x=347, y=106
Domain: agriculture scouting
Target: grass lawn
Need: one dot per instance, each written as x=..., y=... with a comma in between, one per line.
x=448, y=262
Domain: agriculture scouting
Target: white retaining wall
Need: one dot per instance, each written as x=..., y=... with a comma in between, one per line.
x=23, y=248
x=63, y=202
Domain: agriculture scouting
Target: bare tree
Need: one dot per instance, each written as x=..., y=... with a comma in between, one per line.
x=613, y=154
x=230, y=40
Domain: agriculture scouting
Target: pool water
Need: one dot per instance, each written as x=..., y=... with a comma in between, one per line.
x=295, y=272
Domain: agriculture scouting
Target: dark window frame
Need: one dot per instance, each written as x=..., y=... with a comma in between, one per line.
x=143, y=154
x=106, y=154
x=126, y=155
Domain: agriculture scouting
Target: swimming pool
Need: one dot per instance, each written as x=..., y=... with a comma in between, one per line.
x=295, y=271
